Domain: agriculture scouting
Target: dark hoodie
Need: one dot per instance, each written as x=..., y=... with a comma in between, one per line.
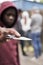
x=8, y=50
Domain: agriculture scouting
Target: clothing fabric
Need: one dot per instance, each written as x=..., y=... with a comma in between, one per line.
x=26, y=27
x=36, y=23
x=8, y=49
x=36, y=26
x=36, y=42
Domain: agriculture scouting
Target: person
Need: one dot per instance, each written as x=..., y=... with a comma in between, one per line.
x=25, y=22
x=36, y=25
x=8, y=47
x=18, y=27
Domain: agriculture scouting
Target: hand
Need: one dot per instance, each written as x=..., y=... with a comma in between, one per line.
x=2, y=36
x=4, y=31
x=13, y=32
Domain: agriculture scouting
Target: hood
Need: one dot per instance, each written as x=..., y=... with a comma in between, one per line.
x=6, y=5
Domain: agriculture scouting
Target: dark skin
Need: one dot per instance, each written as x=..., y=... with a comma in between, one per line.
x=9, y=17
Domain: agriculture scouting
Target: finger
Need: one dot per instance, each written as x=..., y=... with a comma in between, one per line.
x=14, y=32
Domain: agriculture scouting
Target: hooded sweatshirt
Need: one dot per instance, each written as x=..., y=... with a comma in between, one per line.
x=4, y=6
x=8, y=49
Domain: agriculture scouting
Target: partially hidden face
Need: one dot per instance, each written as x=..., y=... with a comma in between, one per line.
x=9, y=17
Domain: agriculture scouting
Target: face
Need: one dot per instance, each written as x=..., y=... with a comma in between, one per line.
x=9, y=17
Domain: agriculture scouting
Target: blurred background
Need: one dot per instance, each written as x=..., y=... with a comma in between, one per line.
x=27, y=5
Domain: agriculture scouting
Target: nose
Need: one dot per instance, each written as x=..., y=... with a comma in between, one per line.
x=11, y=17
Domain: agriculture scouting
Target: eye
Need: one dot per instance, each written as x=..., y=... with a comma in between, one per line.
x=10, y=14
